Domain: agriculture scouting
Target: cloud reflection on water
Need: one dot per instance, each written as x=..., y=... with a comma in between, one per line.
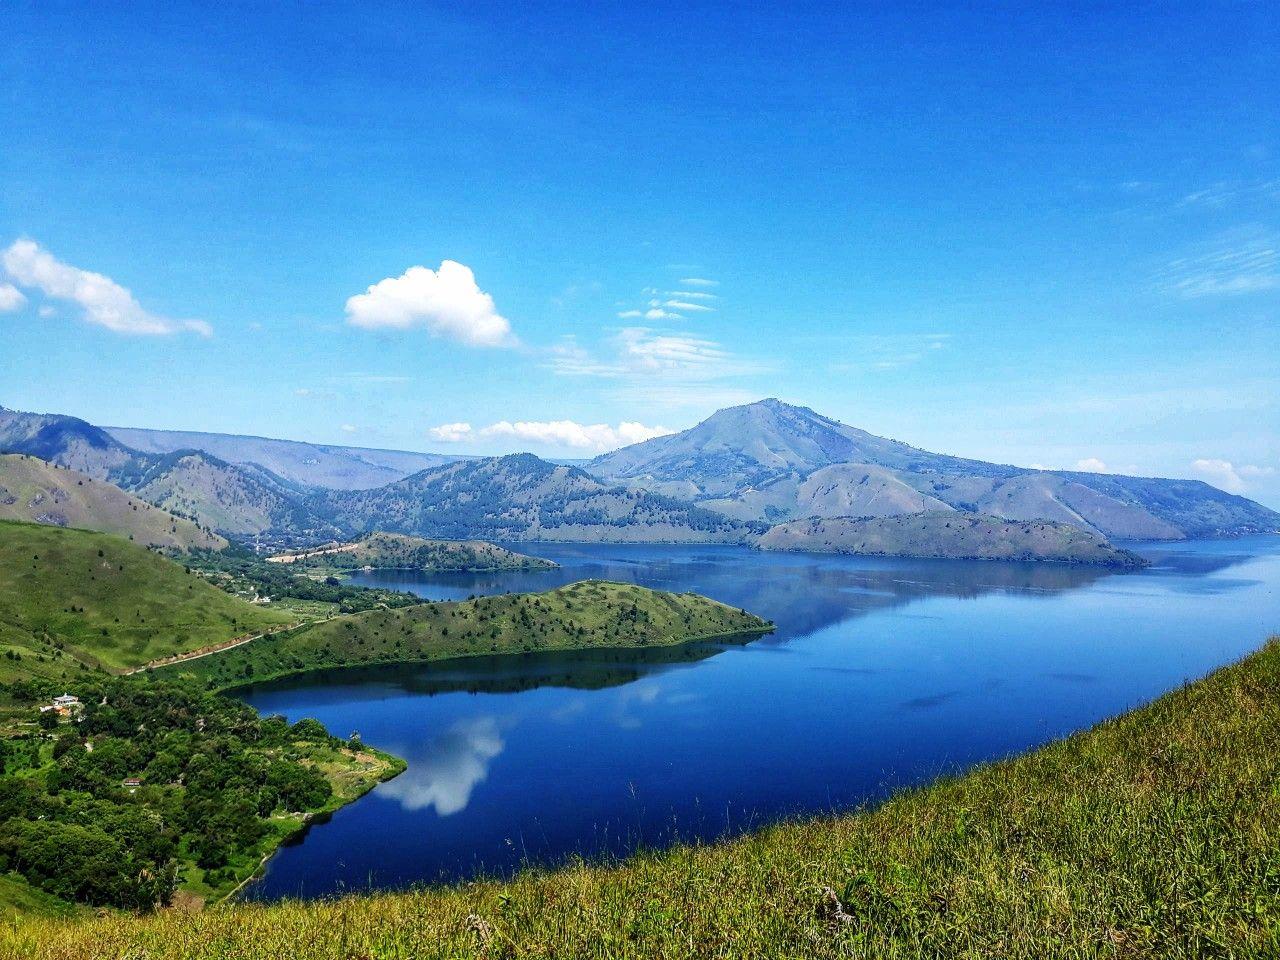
x=451, y=767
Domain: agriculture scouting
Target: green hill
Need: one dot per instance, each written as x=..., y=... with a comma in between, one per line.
x=591, y=613
x=402, y=552
x=34, y=491
x=72, y=597
x=948, y=535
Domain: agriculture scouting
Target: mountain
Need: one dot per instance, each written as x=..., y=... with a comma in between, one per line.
x=239, y=501
x=34, y=491
x=521, y=497
x=244, y=501
x=66, y=441
x=309, y=464
x=773, y=462
x=950, y=535
x=738, y=448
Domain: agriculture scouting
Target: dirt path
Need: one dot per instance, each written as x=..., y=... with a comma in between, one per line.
x=291, y=557
x=217, y=647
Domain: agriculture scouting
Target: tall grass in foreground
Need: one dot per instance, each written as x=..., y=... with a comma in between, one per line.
x=1153, y=835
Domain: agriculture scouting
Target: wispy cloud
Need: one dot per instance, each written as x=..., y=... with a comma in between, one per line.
x=103, y=301
x=447, y=302
x=884, y=351
x=664, y=367
x=669, y=305
x=1237, y=263
x=1227, y=192
x=698, y=282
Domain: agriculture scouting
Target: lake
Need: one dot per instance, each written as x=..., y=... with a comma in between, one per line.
x=882, y=673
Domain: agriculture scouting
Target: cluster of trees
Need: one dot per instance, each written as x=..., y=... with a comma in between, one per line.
x=238, y=570
x=105, y=808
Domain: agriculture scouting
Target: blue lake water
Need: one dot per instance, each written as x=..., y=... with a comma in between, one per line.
x=882, y=673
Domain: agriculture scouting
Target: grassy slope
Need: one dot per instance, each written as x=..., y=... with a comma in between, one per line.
x=1152, y=835
x=18, y=898
x=948, y=535
x=73, y=499
x=56, y=592
x=398, y=551
x=591, y=613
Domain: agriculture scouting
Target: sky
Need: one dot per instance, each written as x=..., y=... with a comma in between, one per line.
x=1035, y=236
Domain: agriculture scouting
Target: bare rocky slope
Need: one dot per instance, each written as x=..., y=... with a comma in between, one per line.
x=34, y=491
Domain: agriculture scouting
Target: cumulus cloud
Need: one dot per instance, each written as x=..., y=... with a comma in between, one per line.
x=11, y=298
x=1225, y=474
x=450, y=432
x=552, y=433
x=1091, y=465
x=447, y=302
x=103, y=301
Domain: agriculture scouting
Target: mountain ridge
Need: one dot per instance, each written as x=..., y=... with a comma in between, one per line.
x=753, y=462
x=724, y=480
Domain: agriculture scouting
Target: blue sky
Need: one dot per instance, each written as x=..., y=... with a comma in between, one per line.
x=1023, y=235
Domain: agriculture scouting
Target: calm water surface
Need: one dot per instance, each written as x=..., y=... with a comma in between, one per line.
x=882, y=673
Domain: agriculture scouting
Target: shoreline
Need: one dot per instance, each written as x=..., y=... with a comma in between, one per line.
x=747, y=636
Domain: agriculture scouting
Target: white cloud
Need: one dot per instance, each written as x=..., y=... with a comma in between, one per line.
x=692, y=295
x=348, y=428
x=11, y=298
x=699, y=282
x=1091, y=465
x=552, y=433
x=1225, y=474
x=450, y=432
x=686, y=305
x=104, y=301
x=446, y=301
x=46, y=312
x=629, y=314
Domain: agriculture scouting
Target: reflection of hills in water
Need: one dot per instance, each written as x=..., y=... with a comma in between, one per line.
x=801, y=596
x=502, y=673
